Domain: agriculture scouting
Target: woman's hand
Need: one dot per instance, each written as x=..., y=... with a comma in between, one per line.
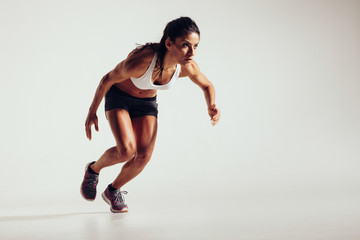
x=214, y=114
x=90, y=120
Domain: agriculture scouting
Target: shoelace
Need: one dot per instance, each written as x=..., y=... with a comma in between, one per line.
x=119, y=198
x=92, y=183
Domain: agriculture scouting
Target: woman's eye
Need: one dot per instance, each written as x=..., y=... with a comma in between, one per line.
x=185, y=45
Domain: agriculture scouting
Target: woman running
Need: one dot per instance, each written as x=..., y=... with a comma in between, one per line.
x=130, y=91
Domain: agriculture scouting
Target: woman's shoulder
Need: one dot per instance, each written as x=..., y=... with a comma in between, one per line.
x=142, y=56
x=190, y=69
x=139, y=59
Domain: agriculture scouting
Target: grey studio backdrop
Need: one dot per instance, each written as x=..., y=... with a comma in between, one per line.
x=287, y=80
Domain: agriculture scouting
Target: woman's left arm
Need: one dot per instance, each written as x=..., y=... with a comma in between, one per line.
x=209, y=91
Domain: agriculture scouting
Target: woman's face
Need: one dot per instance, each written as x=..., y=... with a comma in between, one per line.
x=185, y=47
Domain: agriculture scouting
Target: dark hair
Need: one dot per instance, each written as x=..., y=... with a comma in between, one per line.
x=174, y=29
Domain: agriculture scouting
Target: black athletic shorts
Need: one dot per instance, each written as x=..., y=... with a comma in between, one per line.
x=137, y=107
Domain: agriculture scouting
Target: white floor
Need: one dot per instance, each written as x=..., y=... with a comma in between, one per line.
x=211, y=217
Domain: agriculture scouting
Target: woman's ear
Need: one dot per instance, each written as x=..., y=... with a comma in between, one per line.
x=168, y=43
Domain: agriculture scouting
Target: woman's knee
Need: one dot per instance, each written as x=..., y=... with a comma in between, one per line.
x=126, y=150
x=142, y=158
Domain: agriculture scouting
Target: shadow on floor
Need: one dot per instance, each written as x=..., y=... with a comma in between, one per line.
x=47, y=216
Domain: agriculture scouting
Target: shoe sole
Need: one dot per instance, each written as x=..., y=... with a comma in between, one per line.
x=125, y=209
x=87, y=199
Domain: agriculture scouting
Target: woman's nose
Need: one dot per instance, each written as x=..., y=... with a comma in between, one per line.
x=191, y=51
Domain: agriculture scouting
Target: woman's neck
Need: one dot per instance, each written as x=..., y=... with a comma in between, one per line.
x=169, y=62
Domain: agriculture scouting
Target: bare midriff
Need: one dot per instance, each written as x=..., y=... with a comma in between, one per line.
x=128, y=87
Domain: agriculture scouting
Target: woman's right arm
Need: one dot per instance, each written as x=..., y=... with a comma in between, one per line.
x=118, y=74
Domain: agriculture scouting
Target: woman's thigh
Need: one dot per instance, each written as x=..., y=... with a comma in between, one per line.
x=145, y=130
x=121, y=127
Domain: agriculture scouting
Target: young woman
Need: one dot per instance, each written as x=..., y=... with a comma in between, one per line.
x=130, y=91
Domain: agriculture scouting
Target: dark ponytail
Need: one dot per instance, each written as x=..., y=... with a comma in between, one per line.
x=174, y=29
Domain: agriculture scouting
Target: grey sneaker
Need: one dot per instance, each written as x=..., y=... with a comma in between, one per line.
x=88, y=186
x=116, y=200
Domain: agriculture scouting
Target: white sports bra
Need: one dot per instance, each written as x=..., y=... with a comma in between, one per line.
x=145, y=81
